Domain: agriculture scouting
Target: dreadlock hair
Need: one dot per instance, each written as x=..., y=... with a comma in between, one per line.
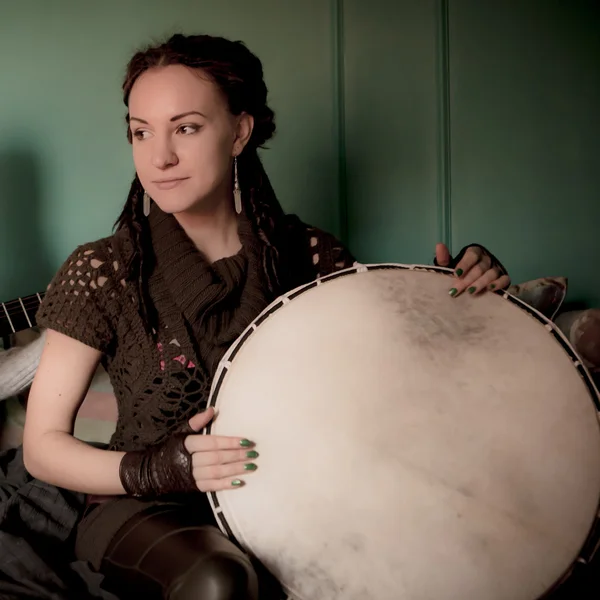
x=239, y=75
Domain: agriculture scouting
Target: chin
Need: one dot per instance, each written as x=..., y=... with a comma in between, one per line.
x=171, y=208
x=187, y=198
x=174, y=207
x=173, y=202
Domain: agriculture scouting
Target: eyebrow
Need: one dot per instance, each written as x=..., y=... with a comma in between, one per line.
x=175, y=118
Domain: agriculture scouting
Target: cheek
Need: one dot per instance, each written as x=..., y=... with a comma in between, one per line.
x=142, y=162
x=207, y=156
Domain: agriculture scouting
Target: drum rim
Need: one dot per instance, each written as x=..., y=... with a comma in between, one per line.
x=592, y=542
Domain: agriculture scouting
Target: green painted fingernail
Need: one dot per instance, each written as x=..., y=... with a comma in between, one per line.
x=245, y=443
x=492, y=286
x=236, y=482
x=453, y=292
x=250, y=467
x=472, y=290
x=459, y=272
x=252, y=454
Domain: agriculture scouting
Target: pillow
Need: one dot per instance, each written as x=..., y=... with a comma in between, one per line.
x=545, y=294
x=582, y=328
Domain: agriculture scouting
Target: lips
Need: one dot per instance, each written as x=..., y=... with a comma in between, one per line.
x=169, y=184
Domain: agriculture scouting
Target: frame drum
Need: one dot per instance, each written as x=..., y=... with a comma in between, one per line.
x=413, y=446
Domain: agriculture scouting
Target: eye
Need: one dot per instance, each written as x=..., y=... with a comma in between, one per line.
x=140, y=134
x=188, y=129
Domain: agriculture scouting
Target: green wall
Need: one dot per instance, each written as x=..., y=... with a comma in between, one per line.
x=525, y=135
x=474, y=121
x=65, y=165
x=400, y=123
x=392, y=129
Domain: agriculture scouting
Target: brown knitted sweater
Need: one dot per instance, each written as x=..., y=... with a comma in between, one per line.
x=161, y=381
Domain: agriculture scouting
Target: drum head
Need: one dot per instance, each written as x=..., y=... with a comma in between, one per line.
x=413, y=446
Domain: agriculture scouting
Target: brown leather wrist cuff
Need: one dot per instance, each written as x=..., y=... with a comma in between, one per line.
x=162, y=469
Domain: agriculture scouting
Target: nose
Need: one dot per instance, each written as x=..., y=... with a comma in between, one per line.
x=163, y=153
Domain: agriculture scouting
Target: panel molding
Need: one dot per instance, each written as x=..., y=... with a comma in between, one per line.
x=339, y=113
x=444, y=125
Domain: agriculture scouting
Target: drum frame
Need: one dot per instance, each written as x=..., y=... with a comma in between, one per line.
x=592, y=542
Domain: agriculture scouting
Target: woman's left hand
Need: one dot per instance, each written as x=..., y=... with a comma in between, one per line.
x=476, y=272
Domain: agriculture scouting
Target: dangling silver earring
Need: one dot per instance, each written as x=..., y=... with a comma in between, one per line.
x=237, y=192
x=146, y=204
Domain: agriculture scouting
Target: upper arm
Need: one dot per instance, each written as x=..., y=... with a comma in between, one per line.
x=59, y=387
x=78, y=312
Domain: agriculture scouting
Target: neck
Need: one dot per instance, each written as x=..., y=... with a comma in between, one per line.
x=214, y=233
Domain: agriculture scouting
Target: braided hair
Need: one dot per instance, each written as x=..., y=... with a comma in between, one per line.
x=239, y=75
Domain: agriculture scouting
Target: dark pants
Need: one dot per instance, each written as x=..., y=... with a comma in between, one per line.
x=174, y=552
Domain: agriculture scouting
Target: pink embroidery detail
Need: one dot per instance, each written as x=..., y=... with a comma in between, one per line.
x=160, y=349
x=180, y=359
x=191, y=365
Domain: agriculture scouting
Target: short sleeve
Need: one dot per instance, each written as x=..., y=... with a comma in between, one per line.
x=315, y=253
x=328, y=254
x=77, y=303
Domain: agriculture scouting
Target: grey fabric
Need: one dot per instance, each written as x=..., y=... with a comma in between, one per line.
x=37, y=524
x=18, y=366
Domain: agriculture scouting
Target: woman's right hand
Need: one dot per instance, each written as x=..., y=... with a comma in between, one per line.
x=217, y=461
x=186, y=462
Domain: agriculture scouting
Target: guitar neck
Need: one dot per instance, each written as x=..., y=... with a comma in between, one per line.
x=19, y=314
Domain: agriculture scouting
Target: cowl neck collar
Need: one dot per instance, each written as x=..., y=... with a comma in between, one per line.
x=217, y=300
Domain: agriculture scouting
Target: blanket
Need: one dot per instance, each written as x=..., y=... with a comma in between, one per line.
x=37, y=525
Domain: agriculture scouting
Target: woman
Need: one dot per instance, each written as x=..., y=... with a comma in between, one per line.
x=201, y=247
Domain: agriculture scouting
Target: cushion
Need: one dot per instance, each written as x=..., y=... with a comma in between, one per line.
x=582, y=328
x=545, y=294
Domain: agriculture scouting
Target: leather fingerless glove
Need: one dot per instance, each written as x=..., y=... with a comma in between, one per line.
x=495, y=262
x=162, y=469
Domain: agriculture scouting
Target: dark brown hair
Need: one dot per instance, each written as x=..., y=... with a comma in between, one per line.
x=239, y=75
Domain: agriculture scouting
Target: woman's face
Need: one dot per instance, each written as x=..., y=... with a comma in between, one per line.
x=184, y=139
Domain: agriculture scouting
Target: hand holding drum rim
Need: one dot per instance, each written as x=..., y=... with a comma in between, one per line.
x=218, y=461
x=188, y=461
x=476, y=270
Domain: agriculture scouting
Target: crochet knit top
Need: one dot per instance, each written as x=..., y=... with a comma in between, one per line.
x=161, y=378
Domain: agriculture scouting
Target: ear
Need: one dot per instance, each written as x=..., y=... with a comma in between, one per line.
x=243, y=131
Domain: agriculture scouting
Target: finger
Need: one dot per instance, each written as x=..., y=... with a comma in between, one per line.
x=460, y=284
x=218, y=485
x=442, y=255
x=482, y=284
x=221, y=457
x=215, y=472
x=206, y=443
x=471, y=257
x=202, y=419
x=501, y=283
